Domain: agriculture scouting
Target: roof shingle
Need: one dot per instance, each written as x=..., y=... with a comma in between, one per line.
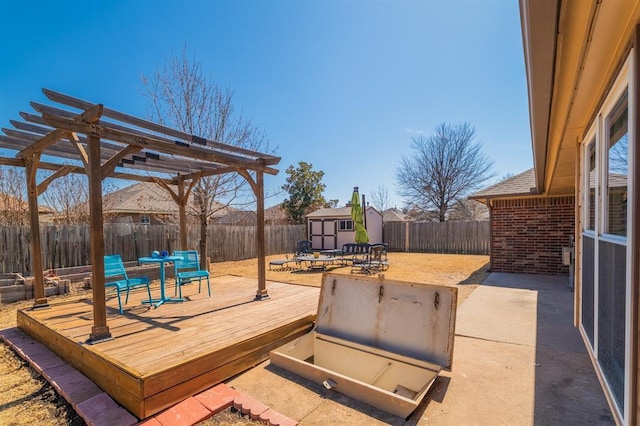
x=521, y=184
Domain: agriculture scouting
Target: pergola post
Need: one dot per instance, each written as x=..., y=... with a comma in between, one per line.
x=182, y=207
x=31, y=168
x=262, y=281
x=100, y=330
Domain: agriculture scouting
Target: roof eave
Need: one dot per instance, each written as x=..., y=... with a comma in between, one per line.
x=539, y=21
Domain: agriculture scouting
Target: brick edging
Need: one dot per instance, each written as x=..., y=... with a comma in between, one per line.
x=97, y=408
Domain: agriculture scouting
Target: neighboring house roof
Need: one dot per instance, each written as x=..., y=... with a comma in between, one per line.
x=394, y=215
x=240, y=217
x=146, y=198
x=465, y=209
x=615, y=180
x=522, y=184
x=336, y=212
x=276, y=214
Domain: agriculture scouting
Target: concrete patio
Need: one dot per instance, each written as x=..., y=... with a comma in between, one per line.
x=518, y=360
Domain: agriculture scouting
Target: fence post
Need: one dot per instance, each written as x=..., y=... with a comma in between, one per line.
x=406, y=236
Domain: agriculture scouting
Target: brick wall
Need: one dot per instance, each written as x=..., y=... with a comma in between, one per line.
x=528, y=234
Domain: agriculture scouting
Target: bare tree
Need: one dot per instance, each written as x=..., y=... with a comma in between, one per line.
x=465, y=209
x=445, y=167
x=68, y=198
x=14, y=209
x=618, y=156
x=182, y=96
x=380, y=198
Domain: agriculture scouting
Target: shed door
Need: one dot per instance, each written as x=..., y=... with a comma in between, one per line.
x=329, y=235
x=323, y=234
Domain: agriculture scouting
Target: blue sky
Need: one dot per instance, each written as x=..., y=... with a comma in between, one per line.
x=343, y=85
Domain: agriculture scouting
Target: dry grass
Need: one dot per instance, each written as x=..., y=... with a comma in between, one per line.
x=463, y=271
x=26, y=398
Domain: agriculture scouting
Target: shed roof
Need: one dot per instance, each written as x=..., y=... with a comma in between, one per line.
x=336, y=212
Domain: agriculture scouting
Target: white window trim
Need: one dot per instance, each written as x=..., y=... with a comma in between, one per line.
x=599, y=128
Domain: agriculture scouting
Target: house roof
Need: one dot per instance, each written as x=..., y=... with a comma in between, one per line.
x=394, y=215
x=243, y=217
x=522, y=184
x=275, y=213
x=146, y=198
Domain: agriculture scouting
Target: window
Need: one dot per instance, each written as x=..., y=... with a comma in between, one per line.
x=591, y=187
x=145, y=219
x=345, y=225
x=618, y=168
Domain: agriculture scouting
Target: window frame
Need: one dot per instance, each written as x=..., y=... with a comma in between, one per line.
x=346, y=228
x=599, y=132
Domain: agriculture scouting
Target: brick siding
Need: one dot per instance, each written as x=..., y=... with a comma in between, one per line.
x=528, y=234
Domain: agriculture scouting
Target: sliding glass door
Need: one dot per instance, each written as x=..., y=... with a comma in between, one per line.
x=605, y=283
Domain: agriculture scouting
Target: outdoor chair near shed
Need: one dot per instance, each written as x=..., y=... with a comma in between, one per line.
x=355, y=253
x=188, y=269
x=114, y=268
x=303, y=247
x=376, y=261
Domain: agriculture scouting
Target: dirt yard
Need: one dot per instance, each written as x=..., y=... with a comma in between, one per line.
x=26, y=398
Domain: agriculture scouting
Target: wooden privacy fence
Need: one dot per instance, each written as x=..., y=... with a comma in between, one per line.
x=69, y=245
x=438, y=237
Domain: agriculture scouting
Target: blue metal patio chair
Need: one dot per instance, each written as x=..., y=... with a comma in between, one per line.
x=114, y=268
x=188, y=269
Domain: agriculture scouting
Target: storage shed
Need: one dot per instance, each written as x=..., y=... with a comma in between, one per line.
x=330, y=228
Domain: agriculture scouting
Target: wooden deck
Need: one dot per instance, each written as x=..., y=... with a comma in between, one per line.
x=160, y=356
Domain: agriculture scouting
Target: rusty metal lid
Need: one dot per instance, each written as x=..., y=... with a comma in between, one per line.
x=410, y=319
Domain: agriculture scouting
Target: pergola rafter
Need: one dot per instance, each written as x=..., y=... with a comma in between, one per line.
x=108, y=143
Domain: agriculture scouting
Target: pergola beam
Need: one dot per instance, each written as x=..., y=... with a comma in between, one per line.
x=19, y=162
x=108, y=132
x=126, y=118
x=63, y=171
x=64, y=149
x=110, y=165
x=89, y=116
x=178, y=165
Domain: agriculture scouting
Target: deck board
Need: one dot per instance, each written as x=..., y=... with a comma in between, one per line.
x=162, y=355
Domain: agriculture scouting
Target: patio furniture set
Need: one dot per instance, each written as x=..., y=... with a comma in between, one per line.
x=186, y=267
x=363, y=258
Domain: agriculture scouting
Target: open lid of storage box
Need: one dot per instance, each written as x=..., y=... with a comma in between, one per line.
x=411, y=319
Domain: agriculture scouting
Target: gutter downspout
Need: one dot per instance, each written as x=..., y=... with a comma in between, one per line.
x=490, y=207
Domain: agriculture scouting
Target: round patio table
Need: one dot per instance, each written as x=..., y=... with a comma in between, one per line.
x=161, y=260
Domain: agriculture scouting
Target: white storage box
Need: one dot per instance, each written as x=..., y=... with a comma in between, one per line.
x=380, y=341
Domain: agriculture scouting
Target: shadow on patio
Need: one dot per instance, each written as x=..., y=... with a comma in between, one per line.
x=519, y=359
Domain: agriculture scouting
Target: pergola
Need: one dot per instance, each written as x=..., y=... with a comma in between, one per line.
x=108, y=143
